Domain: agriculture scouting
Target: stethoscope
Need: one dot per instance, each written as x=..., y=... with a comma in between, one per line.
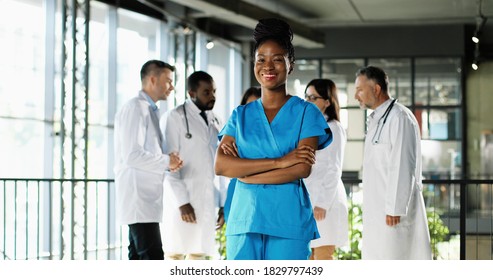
x=188, y=135
x=384, y=117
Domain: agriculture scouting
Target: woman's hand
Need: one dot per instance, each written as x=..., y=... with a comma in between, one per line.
x=319, y=213
x=230, y=149
x=302, y=154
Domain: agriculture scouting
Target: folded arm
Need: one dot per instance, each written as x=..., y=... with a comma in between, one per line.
x=288, y=174
x=295, y=165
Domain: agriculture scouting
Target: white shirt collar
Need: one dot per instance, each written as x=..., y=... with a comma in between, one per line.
x=193, y=108
x=149, y=99
x=380, y=110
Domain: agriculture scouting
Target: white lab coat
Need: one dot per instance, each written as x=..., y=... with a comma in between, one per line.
x=196, y=183
x=327, y=190
x=392, y=186
x=139, y=163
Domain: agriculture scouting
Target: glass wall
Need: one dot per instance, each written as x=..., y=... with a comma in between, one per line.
x=99, y=95
x=120, y=41
x=303, y=72
x=438, y=98
x=219, y=61
x=430, y=87
x=399, y=73
x=136, y=43
x=353, y=119
x=22, y=96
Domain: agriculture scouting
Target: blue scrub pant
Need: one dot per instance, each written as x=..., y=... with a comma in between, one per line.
x=256, y=246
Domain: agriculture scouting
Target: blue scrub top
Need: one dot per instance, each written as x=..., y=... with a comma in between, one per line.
x=282, y=210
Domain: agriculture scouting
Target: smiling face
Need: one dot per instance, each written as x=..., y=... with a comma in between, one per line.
x=158, y=84
x=164, y=84
x=272, y=65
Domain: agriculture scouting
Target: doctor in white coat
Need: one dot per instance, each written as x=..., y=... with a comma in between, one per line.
x=194, y=196
x=327, y=192
x=140, y=163
x=394, y=215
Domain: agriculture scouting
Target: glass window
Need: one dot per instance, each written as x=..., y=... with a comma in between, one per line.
x=22, y=95
x=219, y=63
x=98, y=93
x=304, y=71
x=353, y=119
x=342, y=72
x=22, y=148
x=440, y=124
x=136, y=43
x=399, y=73
x=179, y=61
x=356, y=120
x=438, y=81
x=353, y=156
x=441, y=159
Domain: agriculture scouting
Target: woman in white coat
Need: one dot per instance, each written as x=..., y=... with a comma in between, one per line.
x=324, y=184
x=394, y=216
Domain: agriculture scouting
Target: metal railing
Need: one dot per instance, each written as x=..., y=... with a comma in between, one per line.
x=460, y=217
x=44, y=219
x=58, y=219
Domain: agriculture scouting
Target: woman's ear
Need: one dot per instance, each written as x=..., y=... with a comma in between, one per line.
x=290, y=68
x=327, y=103
x=290, y=64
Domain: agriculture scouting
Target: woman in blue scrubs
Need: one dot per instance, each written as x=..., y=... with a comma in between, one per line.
x=250, y=95
x=269, y=145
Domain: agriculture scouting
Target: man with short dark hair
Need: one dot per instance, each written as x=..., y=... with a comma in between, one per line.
x=193, y=201
x=140, y=163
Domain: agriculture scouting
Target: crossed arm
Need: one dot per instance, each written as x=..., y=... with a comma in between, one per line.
x=294, y=165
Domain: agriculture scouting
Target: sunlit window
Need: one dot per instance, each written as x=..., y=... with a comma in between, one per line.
x=136, y=43
x=21, y=88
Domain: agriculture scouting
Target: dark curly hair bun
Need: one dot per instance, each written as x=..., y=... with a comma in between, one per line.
x=277, y=30
x=272, y=27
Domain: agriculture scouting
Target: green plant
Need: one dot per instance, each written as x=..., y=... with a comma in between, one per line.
x=221, y=242
x=439, y=232
x=355, y=219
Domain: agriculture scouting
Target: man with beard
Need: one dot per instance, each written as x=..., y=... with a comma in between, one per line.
x=192, y=200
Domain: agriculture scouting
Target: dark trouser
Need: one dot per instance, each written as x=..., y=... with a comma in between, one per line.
x=145, y=242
